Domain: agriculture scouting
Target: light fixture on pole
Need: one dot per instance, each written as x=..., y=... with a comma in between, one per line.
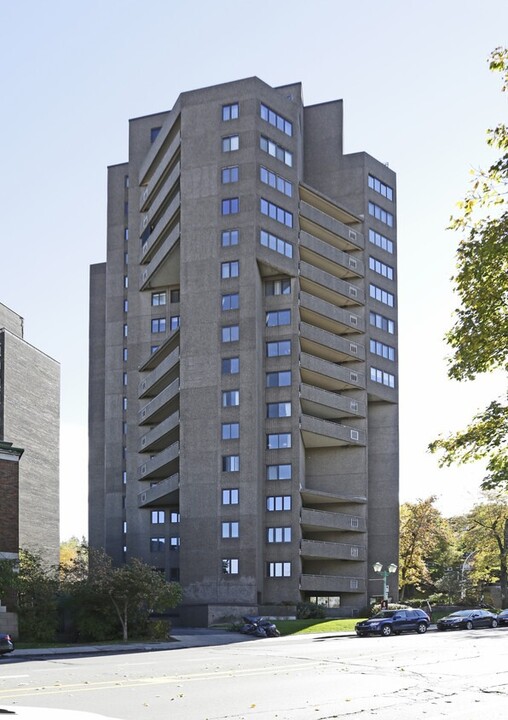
x=378, y=568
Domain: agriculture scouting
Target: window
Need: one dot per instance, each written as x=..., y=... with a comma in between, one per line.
x=154, y=348
x=276, y=181
x=377, y=293
x=126, y=237
x=124, y=527
x=276, y=349
x=124, y=378
x=278, y=379
x=275, y=212
x=278, y=410
x=175, y=295
x=278, y=569
x=125, y=281
x=124, y=477
x=278, y=441
x=159, y=298
x=230, y=206
x=125, y=306
x=158, y=325
x=230, y=333
x=230, y=398
x=230, y=566
x=278, y=503
x=157, y=544
x=231, y=463
x=380, y=376
x=229, y=174
x=278, y=287
x=379, y=267
x=230, y=431
x=382, y=322
x=272, y=242
x=278, y=317
x=380, y=187
x=174, y=542
x=125, y=330
x=383, y=215
x=230, y=143
x=174, y=517
x=276, y=120
x=230, y=112
x=278, y=534
x=385, y=351
x=231, y=496
x=229, y=269
x=230, y=366
x=158, y=517
x=174, y=322
x=276, y=151
x=278, y=472
x=231, y=301
x=229, y=237
x=380, y=240
x=125, y=354
x=154, y=132
x=230, y=530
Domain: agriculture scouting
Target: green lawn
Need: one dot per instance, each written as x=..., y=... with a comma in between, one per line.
x=303, y=627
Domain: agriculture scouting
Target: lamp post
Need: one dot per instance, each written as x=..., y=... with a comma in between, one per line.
x=378, y=568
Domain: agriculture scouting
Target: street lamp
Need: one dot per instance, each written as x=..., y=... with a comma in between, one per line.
x=378, y=568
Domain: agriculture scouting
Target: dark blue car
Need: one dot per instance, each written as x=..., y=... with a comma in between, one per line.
x=6, y=644
x=394, y=622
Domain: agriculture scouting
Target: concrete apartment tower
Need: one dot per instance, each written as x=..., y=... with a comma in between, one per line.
x=30, y=419
x=243, y=413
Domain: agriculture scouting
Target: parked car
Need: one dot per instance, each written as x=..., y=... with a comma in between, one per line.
x=388, y=622
x=6, y=644
x=468, y=619
x=502, y=618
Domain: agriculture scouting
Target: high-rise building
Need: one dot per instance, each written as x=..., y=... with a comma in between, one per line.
x=30, y=419
x=243, y=412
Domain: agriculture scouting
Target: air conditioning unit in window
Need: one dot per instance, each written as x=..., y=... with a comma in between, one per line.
x=355, y=435
x=353, y=376
x=353, y=348
x=353, y=405
x=353, y=320
x=353, y=291
x=352, y=262
x=352, y=235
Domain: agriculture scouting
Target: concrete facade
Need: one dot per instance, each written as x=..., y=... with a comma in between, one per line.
x=9, y=526
x=243, y=356
x=30, y=419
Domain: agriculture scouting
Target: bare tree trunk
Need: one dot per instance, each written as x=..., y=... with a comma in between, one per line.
x=503, y=573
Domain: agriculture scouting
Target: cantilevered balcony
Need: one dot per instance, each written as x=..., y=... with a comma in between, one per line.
x=321, y=520
x=165, y=492
x=329, y=405
x=328, y=345
x=327, y=228
x=162, y=406
x=161, y=465
x=164, y=227
x=326, y=257
x=152, y=384
x=162, y=435
x=166, y=190
x=323, y=433
x=331, y=583
x=332, y=550
x=329, y=375
x=167, y=159
x=327, y=316
x=328, y=287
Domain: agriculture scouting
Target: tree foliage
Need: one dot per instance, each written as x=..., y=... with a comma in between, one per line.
x=479, y=337
x=36, y=587
x=426, y=545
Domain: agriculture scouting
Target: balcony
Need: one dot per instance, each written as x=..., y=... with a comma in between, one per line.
x=322, y=520
x=163, y=464
x=154, y=383
x=323, y=433
x=331, y=583
x=310, y=496
x=328, y=287
x=329, y=405
x=329, y=317
x=326, y=257
x=329, y=375
x=165, y=226
x=161, y=406
x=165, y=192
x=328, y=346
x=146, y=195
x=332, y=551
x=165, y=492
x=162, y=434
x=169, y=131
x=334, y=232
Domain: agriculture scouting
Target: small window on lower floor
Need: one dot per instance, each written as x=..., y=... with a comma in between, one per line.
x=278, y=569
x=230, y=566
x=157, y=544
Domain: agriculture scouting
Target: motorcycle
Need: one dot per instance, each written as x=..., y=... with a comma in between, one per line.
x=258, y=626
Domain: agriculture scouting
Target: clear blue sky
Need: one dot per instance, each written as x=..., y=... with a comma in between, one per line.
x=417, y=94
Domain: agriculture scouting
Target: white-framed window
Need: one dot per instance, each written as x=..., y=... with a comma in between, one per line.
x=278, y=569
x=230, y=529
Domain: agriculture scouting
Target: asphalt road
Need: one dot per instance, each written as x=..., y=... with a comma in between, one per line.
x=458, y=674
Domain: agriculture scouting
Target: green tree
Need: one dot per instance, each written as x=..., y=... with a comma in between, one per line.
x=36, y=587
x=426, y=547
x=479, y=337
x=484, y=532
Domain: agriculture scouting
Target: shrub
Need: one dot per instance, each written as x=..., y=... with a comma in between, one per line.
x=307, y=611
